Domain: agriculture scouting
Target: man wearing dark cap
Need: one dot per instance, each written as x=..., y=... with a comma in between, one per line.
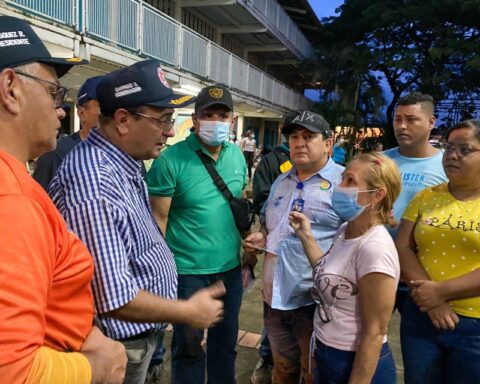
x=88, y=111
x=46, y=303
x=287, y=274
x=101, y=194
x=201, y=232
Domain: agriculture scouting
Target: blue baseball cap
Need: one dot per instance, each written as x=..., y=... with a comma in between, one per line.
x=142, y=83
x=19, y=45
x=88, y=90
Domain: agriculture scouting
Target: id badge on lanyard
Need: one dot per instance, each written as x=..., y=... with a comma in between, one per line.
x=299, y=202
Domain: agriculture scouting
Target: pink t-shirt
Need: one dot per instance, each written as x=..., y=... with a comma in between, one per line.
x=337, y=275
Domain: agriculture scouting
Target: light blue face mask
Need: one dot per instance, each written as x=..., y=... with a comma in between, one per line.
x=214, y=133
x=344, y=202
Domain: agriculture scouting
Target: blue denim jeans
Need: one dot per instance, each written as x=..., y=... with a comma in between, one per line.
x=188, y=357
x=432, y=356
x=334, y=366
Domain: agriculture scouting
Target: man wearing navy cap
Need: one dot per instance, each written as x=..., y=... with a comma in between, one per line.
x=200, y=229
x=46, y=303
x=287, y=274
x=88, y=111
x=102, y=196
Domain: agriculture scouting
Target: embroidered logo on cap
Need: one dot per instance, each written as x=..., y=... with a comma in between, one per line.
x=161, y=76
x=181, y=100
x=216, y=93
x=305, y=117
x=13, y=38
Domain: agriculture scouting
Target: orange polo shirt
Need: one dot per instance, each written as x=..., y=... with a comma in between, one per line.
x=45, y=273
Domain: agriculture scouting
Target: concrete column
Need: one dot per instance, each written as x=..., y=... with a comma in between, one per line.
x=240, y=121
x=261, y=133
x=178, y=10
x=74, y=119
x=279, y=133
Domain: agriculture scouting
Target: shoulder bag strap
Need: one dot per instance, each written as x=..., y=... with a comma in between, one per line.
x=217, y=179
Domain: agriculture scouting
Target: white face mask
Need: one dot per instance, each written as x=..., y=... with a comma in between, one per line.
x=214, y=133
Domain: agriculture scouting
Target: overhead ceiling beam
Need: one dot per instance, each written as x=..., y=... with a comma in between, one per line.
x=205, y=3
x=306, y=26
x=296, y=10
x=266, y=48
x=245, y=28
x=283, y=62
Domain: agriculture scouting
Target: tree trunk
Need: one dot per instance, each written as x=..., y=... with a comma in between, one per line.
x=389, y=140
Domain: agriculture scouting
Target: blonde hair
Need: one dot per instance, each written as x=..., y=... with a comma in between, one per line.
x=383, y=173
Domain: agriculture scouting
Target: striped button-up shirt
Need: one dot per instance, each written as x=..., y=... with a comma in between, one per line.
x=99, y=191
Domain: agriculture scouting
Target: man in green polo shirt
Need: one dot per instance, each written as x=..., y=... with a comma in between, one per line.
x=200, y=230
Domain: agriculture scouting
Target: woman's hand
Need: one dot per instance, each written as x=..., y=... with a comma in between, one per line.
x=443, y=317
x=300, y=224
x=427, y=294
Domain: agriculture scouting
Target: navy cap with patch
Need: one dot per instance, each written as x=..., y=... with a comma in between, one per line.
x=212, y=95
x=19, y=45
x=88, y=90
x=140, y=84
x=308, y=120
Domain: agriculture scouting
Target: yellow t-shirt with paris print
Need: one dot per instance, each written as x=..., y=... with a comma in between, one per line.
x=447, y=233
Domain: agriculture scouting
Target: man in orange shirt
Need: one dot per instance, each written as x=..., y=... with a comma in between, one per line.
x=46, y=304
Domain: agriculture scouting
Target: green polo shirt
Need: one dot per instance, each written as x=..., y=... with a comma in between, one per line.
x=201, y=231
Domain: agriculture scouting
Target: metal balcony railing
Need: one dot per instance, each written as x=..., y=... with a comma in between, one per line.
x=275, y=17
x=146, y=31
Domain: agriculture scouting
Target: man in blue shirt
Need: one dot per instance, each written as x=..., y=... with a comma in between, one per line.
x=88, y=111
x=339, y=152
x=287, y=274
x=101, y=194
x=419, y=162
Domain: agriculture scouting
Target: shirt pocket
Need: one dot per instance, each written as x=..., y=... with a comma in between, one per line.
x=318, y=208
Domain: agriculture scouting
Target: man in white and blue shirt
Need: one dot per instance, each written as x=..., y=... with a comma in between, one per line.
x=287, y=274
x=420, y=163
x=102, y=196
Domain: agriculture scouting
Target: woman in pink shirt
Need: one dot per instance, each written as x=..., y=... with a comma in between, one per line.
x=356, y=280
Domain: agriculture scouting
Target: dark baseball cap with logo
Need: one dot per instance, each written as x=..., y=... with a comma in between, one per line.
x=308, y=120
x=212, y=95
x=19, y=45
x=142, y=83
x=88, y=90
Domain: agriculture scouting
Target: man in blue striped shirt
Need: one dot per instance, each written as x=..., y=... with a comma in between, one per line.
x=101, y=194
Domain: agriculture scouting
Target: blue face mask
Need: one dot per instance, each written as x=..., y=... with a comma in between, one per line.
x=344, y=202
x=214, y=133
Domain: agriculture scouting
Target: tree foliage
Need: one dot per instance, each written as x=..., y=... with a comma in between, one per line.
x=430, y=46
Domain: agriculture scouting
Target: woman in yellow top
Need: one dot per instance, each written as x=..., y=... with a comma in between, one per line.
x=439, y=247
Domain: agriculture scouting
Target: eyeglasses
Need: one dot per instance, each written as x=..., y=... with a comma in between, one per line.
x=461, y=150
x=165, y=125
x=325, y=312
x=59, y=94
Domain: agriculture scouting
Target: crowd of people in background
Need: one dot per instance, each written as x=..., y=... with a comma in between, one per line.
x=100, y=254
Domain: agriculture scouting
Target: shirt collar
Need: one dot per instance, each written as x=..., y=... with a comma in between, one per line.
x=326, y=173
x=194, y=144
x=131, y=166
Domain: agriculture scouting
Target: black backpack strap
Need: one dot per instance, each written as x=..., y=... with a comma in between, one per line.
x=217, y=179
